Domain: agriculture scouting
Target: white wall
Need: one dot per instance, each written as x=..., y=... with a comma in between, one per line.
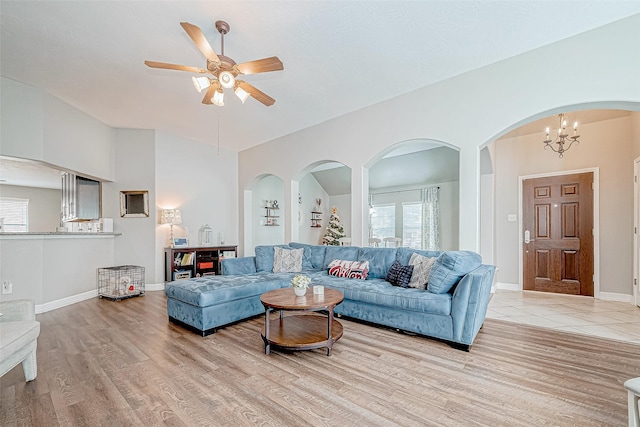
x=54, y=270
x=310, y=190
x=36, y=125
x=268, y=188
x=194, y=178
x=22, y=120
x=466, y=111
x=606, y=145
x=135, y=170
x=44, y=205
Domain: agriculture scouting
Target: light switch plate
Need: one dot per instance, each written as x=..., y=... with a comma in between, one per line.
x=512, y=217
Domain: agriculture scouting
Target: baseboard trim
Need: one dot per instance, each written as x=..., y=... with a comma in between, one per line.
x=605, y=296
x=53, y=305
x=612, y=296
x=154, y=287
x=63, y=302
x=508, y=286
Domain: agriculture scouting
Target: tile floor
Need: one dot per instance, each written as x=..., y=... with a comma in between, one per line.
x=582, y=315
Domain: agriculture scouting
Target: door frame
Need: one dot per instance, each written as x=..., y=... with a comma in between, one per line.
x=596, y=223
x=636, y=228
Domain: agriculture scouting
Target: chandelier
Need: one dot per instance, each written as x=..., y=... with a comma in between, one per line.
x=563, y=141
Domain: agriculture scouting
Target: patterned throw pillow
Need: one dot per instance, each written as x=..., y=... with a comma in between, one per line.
x=399, y=275
x=421, y=269
x=287, y=260
x=349, y=269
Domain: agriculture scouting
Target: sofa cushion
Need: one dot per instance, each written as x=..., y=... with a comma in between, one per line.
x=313, y=257
x=347, y=253
x=421, y=269
x=380, y=260
x=287, y=260
x=404, y=254
x=264, y=257
x=213, y=290
x=242, y=265
x=449, y=268
x=399, y=275
x=379, y=292
x=350, y=269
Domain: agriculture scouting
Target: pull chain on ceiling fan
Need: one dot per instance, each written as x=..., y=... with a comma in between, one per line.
x=223, y=69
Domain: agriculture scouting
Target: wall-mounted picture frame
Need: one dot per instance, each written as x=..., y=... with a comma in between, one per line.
x=180, y=242
x=134, y=204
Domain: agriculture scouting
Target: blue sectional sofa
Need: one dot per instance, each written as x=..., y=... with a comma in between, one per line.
x=452, y=309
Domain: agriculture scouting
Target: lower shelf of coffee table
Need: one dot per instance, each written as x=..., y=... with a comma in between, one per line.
x=302, y=332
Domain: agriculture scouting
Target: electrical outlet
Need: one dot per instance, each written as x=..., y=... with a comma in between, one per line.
x=7, y=288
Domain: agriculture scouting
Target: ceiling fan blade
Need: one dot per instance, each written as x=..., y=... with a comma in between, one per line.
x=167, y=66
x=201, y=42
x=209, y=95
x=257, y=94
x=261, y=66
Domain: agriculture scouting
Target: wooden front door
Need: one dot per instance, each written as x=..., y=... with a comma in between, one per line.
x=558, y=234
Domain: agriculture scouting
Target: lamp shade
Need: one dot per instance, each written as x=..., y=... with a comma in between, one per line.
x=171, y=216
x=242, y=94
x=218, y=98
x=201, y=82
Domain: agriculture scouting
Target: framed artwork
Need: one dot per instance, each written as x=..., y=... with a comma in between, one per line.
x=134, y=204
x=180, y=242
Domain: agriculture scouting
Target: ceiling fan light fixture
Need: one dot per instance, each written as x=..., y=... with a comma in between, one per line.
x=218, y=98
x=241, y=93
x=201, y=82
x=226, y=79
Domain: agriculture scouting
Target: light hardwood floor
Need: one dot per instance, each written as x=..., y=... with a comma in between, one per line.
x=106, y=363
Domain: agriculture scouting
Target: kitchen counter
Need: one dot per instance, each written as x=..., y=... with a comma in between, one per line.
x=54, y=235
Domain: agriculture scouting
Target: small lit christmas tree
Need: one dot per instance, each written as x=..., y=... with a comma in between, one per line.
x=334, y=230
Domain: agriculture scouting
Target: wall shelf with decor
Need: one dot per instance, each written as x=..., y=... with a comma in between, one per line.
x=316, y=219
x=271, y=217
x=187, y=262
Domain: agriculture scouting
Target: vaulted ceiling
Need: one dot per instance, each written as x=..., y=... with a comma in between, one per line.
x=339, y=56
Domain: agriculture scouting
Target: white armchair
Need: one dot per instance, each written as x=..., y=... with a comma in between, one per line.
x=633, y=390
x=19, y=332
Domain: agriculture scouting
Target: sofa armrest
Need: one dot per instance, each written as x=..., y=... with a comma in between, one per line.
x=17, y=310
x=469, y=303
x=235, y=266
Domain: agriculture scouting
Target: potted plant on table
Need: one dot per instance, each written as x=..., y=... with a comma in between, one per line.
x=300, y=284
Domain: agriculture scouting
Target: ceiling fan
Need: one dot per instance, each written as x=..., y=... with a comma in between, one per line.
x=223, y=69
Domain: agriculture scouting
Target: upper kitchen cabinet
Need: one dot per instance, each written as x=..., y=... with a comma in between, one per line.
x=80, y=198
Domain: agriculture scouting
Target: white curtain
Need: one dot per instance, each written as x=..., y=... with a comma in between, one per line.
x=431, y=219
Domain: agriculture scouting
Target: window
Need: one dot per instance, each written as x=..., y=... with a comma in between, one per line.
x=383, y=221
x=412, y=225
x=15, y=213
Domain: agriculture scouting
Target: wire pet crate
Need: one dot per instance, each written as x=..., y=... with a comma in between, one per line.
x=124, y=281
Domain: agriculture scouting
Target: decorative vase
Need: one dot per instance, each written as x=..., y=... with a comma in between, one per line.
x=299, y=291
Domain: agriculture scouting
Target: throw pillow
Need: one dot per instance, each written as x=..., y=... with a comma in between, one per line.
x=421, y=269
x=449, y=268
x=349, y=269
x=287, y=260
x=399, y=275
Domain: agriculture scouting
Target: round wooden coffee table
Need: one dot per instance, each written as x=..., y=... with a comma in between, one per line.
x=301, y=331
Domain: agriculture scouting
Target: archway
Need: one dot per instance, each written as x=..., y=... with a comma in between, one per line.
x=609, y=141
x=398, y=179
x=321, y=186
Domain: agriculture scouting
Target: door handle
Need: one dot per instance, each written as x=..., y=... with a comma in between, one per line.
x=527, y=237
